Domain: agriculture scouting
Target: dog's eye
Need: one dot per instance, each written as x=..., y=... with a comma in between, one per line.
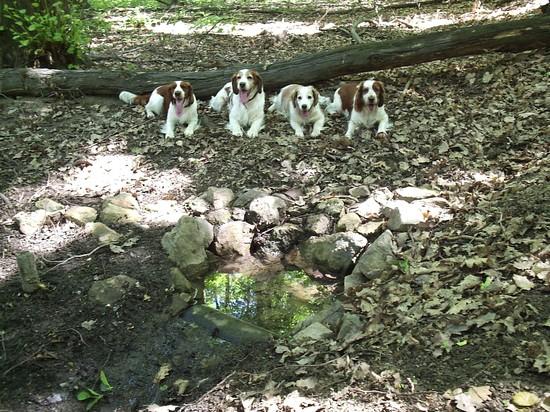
x=249, y=77
x=310, y=97
x=299, y=97
x=238, y=77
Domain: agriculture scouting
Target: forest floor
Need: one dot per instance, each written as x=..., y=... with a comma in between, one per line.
x=475, y=128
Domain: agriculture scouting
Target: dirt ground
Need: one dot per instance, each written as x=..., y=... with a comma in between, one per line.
x=477, y=126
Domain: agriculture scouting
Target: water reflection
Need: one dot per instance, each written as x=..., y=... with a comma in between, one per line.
x=277, y=303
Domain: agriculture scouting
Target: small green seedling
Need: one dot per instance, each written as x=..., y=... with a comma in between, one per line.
x=92, y=397
x=404, y=266
x=486, y=283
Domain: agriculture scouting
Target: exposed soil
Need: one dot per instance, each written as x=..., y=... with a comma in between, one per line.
x=476, y=126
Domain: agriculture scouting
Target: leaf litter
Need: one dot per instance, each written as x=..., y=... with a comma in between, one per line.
x=473, y=128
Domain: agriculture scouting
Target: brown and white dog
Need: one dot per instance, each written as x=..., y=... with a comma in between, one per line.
x=246, y=99
x=175, y=99
x=300, y=104
x=363, y=104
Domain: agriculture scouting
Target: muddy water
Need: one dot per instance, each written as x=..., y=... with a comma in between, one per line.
x=277, y=303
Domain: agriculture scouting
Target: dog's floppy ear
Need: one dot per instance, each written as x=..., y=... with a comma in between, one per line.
x=167, y=93
x=258, y=80
x=358, y=102
x=295, y=98
x=234, y=84
x=379, y=89
x=189, y=97
x=315, y=96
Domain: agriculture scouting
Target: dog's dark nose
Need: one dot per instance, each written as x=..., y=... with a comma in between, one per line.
x=177, y=92
x=242, y=85
x=304, y=106
x=371, y=99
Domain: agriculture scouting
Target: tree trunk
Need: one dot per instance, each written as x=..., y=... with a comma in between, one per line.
x=510, y=36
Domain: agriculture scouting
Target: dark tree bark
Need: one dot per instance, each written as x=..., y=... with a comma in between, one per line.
x=511, y=36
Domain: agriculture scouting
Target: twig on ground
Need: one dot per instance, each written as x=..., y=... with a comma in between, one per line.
x=353, y=32
x=215, y=387
x=6, y=200
x=406, y=88
x=79, y=335
x=323, y=16
x=4, y=353
x=59, y=263
x=27, y=359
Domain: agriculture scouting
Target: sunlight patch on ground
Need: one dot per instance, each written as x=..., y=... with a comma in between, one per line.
x=106, y=174
x=276, y=28
x=428, y=21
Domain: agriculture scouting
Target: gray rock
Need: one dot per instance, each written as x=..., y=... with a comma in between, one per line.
x=120, y=209
x=125, y=200
x=31, y=222
x=198, y=205
x=353, y=281
x=30, y=280
x=219, y=216
x=315, y=331
x=319, y=224
x=111, y=290
x=219, y=197
x=244, y=198
x=266, y=211
x=179, y=281
x=334, y=254
x=180, y=302
x=186, y=245
x=81, y=214
x=332, y=207
x=114, y=214
x=431, y=208
x=359, y=192
x=103, y=233
x=377, y=259
x=329, y=316
x=382, y=195
x=275, y=243
x=371, y=228
x=368, y=209
x=225, y=326
x=414, y=193
x=50, y=206
x=351, y=327
x=404, y=215
x=348, y=222
x=238, y=213
x=234, y=238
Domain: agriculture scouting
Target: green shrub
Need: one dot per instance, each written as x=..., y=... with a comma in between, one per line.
x=50, y=30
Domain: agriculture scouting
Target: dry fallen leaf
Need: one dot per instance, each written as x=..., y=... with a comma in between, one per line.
x=523, y=283
x=525, y=399
x=162, y=373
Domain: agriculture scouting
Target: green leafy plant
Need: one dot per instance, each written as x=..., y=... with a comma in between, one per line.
x=53, y=30
x=92, y=397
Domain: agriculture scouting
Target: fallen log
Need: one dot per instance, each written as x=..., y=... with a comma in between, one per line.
x=510, y=36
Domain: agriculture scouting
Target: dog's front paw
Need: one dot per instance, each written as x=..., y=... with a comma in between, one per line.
x=382, y=136
x=315, y=133
x=252, y=133
x=188, y=132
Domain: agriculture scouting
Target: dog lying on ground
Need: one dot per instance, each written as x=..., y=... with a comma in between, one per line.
x=175, y=99
x=246, y=100
x=301, y=105
x=363, y=104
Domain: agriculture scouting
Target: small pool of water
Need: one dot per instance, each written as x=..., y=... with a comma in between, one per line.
x=278, y=303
